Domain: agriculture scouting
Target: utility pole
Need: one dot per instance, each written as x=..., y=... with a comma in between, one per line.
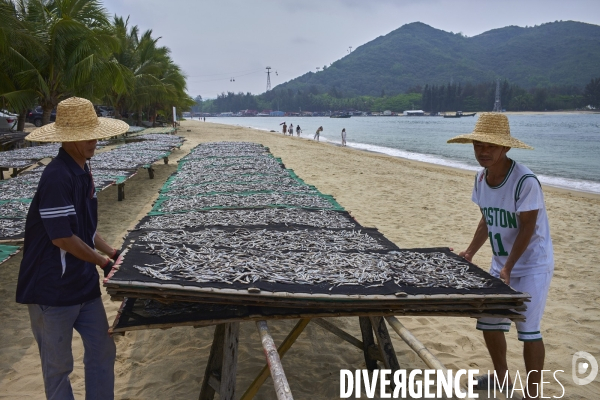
x=497, y=105
x=268, y=78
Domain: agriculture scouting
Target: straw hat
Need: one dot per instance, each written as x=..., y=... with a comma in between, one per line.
x=76, y=121
x=491, y=128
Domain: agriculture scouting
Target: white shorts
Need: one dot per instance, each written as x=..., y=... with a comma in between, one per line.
x=529, y=330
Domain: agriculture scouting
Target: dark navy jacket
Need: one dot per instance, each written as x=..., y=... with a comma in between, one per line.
x=65, y=204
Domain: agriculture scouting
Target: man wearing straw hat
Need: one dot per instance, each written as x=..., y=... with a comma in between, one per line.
x=58, y=279
x=513, y=218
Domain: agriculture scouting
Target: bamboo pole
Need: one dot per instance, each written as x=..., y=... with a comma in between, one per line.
x=283, y=348
x=282, y=388
x=423, y=352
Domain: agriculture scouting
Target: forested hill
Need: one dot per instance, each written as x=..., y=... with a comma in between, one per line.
x=558, y=53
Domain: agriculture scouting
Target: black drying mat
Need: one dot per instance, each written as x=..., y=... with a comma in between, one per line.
x=136, y=312
x=128, y=273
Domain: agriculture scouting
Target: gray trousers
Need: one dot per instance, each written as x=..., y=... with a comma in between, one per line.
x=53, y=330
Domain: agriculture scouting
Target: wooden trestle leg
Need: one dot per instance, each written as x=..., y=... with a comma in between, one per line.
x=368, y=340
x=120, y=192
x=385, y=344
x=221, y=368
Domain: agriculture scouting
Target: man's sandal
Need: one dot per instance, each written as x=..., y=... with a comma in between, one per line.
x=483, y=383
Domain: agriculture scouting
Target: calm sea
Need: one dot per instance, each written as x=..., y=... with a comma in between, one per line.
x=566, y=155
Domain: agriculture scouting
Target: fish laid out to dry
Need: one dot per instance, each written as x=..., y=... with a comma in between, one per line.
x=262, y=217
x=176, y=204
x=404, y=268
x=269, y=240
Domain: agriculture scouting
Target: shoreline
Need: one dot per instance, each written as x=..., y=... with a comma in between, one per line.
x=469, y=172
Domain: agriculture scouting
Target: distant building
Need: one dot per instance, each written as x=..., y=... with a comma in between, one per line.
x=414, y=113
x=276, y=113
x=387, y=113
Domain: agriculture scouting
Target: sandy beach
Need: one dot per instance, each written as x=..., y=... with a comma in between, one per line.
x=413, y=204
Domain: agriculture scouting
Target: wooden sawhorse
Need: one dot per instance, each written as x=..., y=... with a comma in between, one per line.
x=220, y=373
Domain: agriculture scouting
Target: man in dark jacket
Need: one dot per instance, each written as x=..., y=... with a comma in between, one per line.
x=58, y=279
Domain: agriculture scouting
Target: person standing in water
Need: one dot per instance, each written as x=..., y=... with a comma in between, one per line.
x=291, y=130
x=284, y=128
x=317, y=133
x=298, y=130
x=343, y=136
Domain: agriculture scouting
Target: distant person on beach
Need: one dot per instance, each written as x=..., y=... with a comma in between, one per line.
x=291, y=130
x=284, y=128
x=317, y=133
x=513, y=218
x=343, y=136
x=204, y=119
x=298, y=130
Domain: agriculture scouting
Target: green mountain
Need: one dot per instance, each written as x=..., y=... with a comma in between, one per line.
x=558, y=53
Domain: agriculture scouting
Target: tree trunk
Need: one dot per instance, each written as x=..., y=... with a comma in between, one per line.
x=46, y=114
x=21, y=122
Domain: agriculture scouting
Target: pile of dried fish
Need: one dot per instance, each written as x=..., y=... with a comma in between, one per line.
x=17, y=188
x=261, y=217
x=268, y=239
x=196, y=190
x=182, y=178
x=160, y=137
x=206, y=264
x=244, y=201
x=34, y=152
x=9, y=162
x=10, y=228
x=14, y=209
x=223, y=162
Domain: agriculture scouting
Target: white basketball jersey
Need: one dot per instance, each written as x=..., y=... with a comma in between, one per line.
x=501, y=205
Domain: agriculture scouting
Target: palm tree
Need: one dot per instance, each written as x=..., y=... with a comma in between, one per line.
x=154, y=82
x=71, y=56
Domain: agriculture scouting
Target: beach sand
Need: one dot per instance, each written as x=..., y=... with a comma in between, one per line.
x=413, y=204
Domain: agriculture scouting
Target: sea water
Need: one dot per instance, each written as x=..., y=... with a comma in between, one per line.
x=566, y=155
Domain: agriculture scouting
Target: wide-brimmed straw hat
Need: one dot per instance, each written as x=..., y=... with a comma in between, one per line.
x=76, y=121
x=491, y=128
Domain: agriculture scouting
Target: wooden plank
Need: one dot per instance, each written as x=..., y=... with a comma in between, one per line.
x=215, y=361
x=229, y=365
x=281, y=350
x=368, y=341
x=385, y=344
x=329, y=297
x=282, y=388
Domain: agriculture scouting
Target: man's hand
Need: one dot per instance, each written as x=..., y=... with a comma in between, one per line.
x=116, y=255
x=505, y=273
x=107, y=267
x=466, y=255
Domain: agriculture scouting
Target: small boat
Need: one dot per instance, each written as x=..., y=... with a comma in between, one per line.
x=340, y=116
x=459, y=114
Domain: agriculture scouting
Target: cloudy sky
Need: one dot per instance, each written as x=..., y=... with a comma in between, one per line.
x=214, y=41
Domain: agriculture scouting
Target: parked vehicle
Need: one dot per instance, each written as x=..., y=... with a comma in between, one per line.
x=104, y=111
x=35, y=116
x=8, y=120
